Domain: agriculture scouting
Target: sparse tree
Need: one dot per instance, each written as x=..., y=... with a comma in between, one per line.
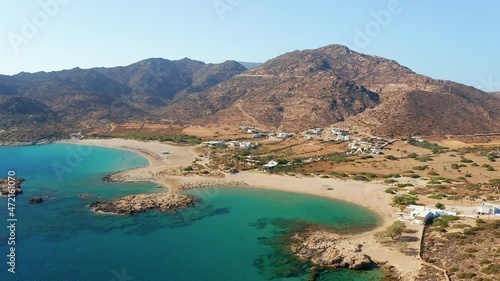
x=395, y=230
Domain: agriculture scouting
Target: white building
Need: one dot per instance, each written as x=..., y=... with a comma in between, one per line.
x=315, y=131
x=421, y=214
x=76, y=136
x=270, y=165
x=338, y=132
x=343, y=138
x=416, y=138
x=251, y=131
x=258, y=136
x=488, y=209
x=284, y=135
x=213, y=143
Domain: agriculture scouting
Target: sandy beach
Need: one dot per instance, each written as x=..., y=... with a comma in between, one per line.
x=166, y=162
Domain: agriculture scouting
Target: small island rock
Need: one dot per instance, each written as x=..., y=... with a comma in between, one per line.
x=36, y=200
x=133, y=204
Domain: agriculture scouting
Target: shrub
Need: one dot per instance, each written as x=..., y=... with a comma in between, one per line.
x=493, y=268
x=437, y=196
x=454, y=166
x=405, y=200
x=390, y=157
x=440, y=206
x=188, y=168
x=465, y=160
x=471, y=250
x=339, y=175
x=390, y=181
x=488, y=167
x=390, y=191
x=419, y=168
x=403, y=185
x=432, y=173
x=412, y=155
x=395, y=229
x=425, y=159
x=495, y=181
x=360, y=178
x=466, y=275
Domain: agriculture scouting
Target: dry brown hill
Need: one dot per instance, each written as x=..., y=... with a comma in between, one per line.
x=332, y=85
x=310, y=88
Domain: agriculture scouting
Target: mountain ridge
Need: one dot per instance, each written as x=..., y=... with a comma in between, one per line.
x=332, y=85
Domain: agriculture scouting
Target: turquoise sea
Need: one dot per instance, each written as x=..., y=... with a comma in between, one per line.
x=233, y=234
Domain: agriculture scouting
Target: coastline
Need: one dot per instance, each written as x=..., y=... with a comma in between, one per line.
x=165, y=170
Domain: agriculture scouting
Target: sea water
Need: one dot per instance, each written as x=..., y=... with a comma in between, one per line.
x=230, y=234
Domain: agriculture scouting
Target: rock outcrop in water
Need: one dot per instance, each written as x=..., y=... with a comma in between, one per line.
x=36, y=200
x=329, y=249
x=4, y=186
x=133, y=204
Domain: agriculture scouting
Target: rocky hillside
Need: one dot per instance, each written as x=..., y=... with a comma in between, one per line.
x=310, y=88
x=295, y=91
x=41, y=105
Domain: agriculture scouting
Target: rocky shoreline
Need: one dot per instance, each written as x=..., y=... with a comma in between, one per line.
x=134, y=204
x=28, y=143
x=329, y=249
x=4, y=187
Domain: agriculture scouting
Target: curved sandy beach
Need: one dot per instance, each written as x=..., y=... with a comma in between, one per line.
x=165, y=169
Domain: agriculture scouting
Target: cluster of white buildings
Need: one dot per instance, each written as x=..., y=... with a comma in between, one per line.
x=363, y=147
x=421, y=214
x=314, y=132
x=241, y=144
x=341, y=134
x=417, y=138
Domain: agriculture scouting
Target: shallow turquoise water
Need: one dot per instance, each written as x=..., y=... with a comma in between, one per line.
x=231, y=233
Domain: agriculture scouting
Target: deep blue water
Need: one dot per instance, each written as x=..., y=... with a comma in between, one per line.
x=231, y=234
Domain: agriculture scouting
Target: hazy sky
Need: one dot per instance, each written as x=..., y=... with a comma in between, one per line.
x=447, y=39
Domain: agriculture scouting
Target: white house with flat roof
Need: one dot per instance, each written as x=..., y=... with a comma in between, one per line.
x=421, y=214
x=488, y=209
x=76, y=136
x=270, y=165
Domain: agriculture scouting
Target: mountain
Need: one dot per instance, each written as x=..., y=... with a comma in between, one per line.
x=250, y=65
x=71, y=100
x=332, y=85
x=320, y=87
x=496, y=94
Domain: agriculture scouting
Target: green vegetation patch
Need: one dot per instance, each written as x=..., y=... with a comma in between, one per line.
x=435, y=148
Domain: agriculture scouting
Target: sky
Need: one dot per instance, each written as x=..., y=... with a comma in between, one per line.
x=447, y=39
